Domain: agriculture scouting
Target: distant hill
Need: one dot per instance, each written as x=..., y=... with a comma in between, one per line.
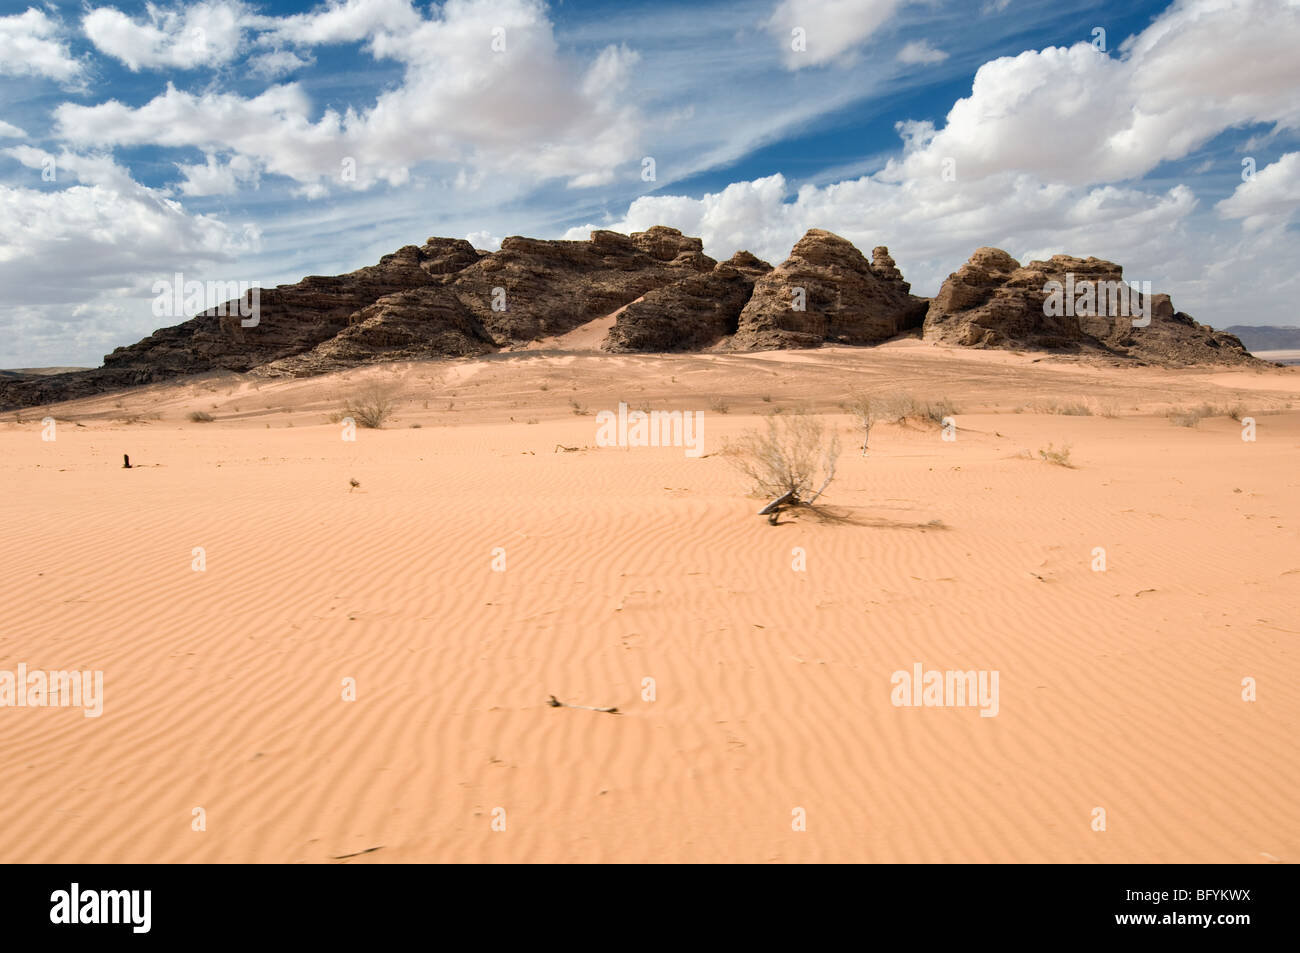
x=659, y=292
x=1267, y=337
x=17, y=373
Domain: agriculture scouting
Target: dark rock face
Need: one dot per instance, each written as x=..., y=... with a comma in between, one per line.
x=845, y=298
x=444, y=298
x=689, y=314
x=550, y=287
x=292, y=319
x=992, y=301
x=418, y=324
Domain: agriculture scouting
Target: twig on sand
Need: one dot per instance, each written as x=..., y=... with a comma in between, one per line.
x=556, y=703
x=560, y=446
x=368, y=850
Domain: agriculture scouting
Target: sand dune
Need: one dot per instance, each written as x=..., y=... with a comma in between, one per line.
x=223, y=688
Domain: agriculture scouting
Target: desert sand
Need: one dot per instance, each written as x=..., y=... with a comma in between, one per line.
x=223, y=688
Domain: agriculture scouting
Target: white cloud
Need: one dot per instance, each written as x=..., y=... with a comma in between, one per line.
x=484, y=239
x=1270, y=198
x=30, y=46
x=214, y=177
x=10, y=131
x=525, y=110
x=105, y=234
x=347, y=21
x=206, y=34
x=921, y=52
x=1077, y=115
x=277, y=63
x=832, y=28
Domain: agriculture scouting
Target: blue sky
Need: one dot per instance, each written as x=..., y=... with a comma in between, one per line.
x=262, y=142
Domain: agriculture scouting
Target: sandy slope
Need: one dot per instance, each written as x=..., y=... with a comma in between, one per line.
x=1118, y=689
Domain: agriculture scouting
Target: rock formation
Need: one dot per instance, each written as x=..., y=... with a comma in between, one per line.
x=690, y=313
x=827, y=292
x=993, y=301
x=445, y=299
x=550, y=287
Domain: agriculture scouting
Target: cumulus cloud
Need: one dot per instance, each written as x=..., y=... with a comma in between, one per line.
x=1077, y=115
x=1038, y=160
x=204, y=35
x=346, y=21
x=104, y=233
x=831, y=28
x=929, y=228
x=1269, y=198
x=484, y=240
x=30, y=45
x=10, y=131
x=485, y=86
x=214, y=177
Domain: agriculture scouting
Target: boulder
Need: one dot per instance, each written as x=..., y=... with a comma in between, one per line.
x=844, y=299
x=690, y=313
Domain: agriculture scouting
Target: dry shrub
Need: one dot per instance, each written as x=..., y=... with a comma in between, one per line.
x=371, y=406
x=791, y=455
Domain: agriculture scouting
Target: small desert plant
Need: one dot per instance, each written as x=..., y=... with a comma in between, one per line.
x=864, y=412
x=901, y=407
x=1067, y=408
x=1059, y=457
x=937, y=411
x=788, y=458
x=371, y=406
x=200, y=417
x=578, y=408
x=718, y=405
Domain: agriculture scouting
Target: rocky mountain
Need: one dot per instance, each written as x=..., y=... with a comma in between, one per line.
x=446, y=299
x=826, y=291
x=994, y=301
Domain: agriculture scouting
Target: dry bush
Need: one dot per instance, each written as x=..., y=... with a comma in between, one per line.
x=901, y=407
x=1067, y=408
x=371, y=406
x=864, y=412
x=791, y=455
x=1059, y=457
x=718, y=405
x=1191, y=416
x=200, y=417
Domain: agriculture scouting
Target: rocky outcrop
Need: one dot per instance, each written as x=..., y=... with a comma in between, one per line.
x=292, y=318
x=827, y=292
x=690, y=313
x=1067, y=303
x=418, y=324
x=532, y=288
x=445, y=298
